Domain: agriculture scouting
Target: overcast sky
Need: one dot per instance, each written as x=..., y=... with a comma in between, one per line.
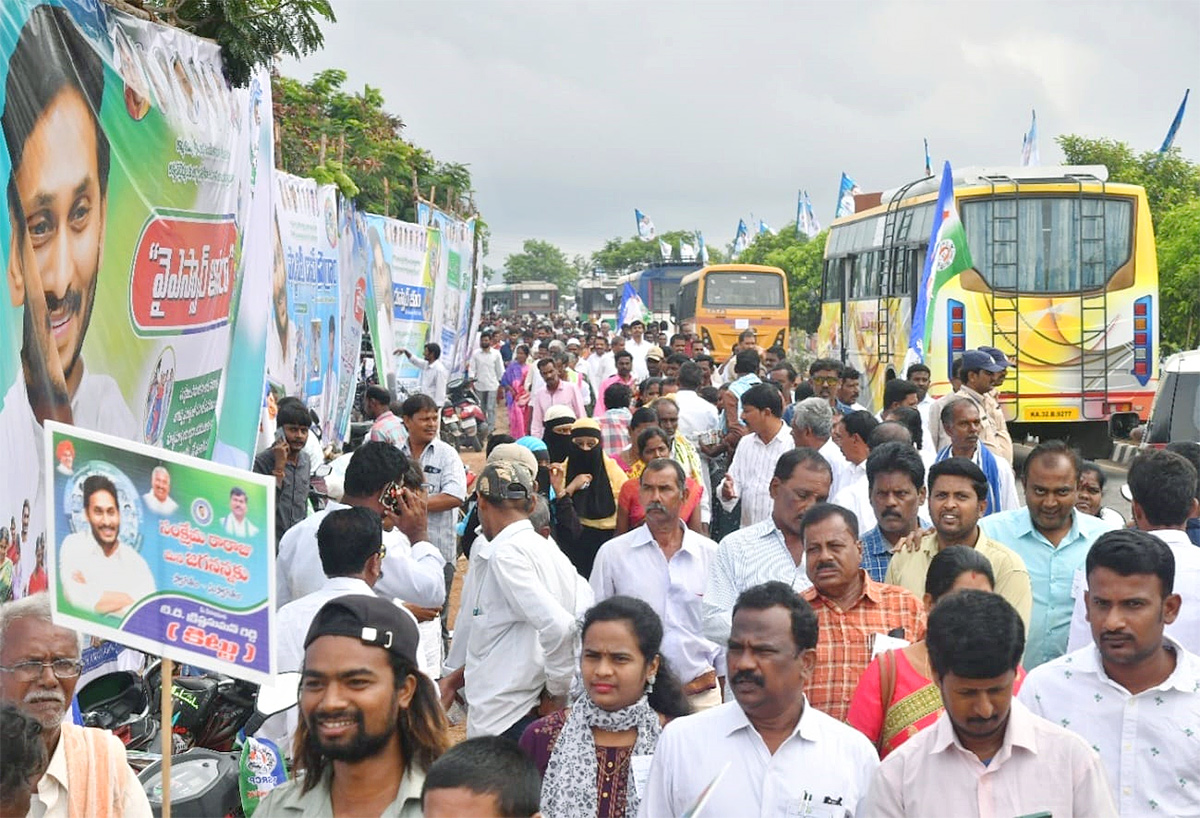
x=570, y=115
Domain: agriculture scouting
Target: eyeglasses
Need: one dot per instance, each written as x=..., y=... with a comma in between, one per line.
x=826, y=379
x=29, y=671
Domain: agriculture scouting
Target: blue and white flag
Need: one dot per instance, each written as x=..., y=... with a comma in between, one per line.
x=645, y=227
x=1030, y=155
x=846, y=193
x=741, y=238
x=800, y=217
x=928, y=161
x=813, y=224
x=632, y=307
x=946, y=257
x=764, y=228
x=686, y=251
x=703, y=247
x=1170, y=140
x=664, y=250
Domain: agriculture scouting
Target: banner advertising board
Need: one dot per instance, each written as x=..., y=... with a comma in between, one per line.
x=399, y=306
x=451, y=313
x=130, y=170
x=354, y=254
x=302, y=344
x=168, y=554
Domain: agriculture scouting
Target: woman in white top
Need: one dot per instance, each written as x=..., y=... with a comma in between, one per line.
x=1091, y=495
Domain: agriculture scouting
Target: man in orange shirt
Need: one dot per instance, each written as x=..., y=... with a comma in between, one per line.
x=852, y=609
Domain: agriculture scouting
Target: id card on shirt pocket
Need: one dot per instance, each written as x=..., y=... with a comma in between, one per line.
x=640, y=767
x=811, y=809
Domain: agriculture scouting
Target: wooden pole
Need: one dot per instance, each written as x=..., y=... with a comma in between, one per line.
x=168, y=675
x=387, y=198
x=341, y=149
x=321, y=157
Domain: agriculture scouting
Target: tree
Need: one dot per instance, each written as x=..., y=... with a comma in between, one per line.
x=541, y=261
x=251, y=33
x=1172, y=186
x=349, y=139
x=802, y=259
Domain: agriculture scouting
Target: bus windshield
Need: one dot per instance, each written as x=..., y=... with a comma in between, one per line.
x=740, y=290
x=1048, y=244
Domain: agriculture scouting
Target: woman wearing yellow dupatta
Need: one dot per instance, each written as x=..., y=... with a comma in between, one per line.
x=903, y=678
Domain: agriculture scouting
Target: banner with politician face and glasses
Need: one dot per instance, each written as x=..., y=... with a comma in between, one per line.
x=131, y=172
x=400, y=302
x=354, y=254
x=165, y=553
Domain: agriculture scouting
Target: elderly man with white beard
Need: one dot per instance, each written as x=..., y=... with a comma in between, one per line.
x=39, y=667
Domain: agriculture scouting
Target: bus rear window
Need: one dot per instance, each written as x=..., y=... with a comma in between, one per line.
x=734, y=290
x=1048, y=244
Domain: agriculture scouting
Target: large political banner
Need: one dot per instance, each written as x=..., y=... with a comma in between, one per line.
x=400, y=299
x=302, y=343
x=165, y=553
x=452, y=295
x=129, y=167
x=354, y=253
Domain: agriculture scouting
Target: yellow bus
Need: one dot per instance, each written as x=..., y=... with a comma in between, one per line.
x=1065, y=283
x=722, y=300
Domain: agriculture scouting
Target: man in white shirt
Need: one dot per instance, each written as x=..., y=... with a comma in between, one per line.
x=600, y=363
x=513, y=655
x=639, y=346
x=664, y=563
x=235, y=521
x=812, y=428
x=486, y=368
x=1134, y=694
x=696, y=415
x=851, y=434
x=771, y=550
x=986, y=754
x=99, y=573
x=158, y=499
x=749, y=475
x=411, y=573
x=434, y=375
x=1162, y=487
x=769, y=753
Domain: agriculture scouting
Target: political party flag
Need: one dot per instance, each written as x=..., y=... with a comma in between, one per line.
x=928, y=162
x=813, y=224
x=1030, y=156
x=1170, y=140
x=686, y=251
x=664, y=250
x=741, y=238
x=703, y=247
x=947, y=256
x=632, y=307
x=846, y=193
x=764, y=228
x=645, y=227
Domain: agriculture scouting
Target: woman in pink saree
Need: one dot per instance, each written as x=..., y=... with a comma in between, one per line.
x=516, y=398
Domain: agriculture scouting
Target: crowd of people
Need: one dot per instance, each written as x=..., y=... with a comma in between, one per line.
x=697, y=584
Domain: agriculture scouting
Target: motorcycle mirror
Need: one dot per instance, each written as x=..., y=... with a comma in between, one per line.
x=279, y=695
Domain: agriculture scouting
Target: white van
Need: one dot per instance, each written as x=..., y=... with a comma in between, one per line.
x=1175, y=413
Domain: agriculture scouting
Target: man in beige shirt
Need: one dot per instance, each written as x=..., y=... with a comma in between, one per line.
x=978, y=374
x=957, y=497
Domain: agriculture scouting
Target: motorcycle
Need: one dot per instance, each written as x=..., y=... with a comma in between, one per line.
x=121, y=703
x=463, y=412
x=207, y=781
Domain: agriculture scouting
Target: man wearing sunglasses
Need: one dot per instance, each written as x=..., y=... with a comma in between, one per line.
x=39, y=668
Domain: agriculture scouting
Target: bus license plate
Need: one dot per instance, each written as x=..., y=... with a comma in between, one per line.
x=1053, y=413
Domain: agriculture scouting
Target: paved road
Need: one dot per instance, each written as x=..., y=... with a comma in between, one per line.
x=1114, y=473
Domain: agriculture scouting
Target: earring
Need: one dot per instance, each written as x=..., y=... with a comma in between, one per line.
x=650, y=684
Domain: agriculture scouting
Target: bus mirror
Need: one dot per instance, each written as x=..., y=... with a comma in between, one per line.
x=671, y=309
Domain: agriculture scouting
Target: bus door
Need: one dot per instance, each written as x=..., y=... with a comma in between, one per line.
x=846, y=324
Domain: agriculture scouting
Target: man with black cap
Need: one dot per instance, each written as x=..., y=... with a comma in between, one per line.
x=371, y=724
x=513, y=655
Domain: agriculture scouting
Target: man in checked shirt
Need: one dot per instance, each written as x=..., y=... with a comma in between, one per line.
x=852, y=609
